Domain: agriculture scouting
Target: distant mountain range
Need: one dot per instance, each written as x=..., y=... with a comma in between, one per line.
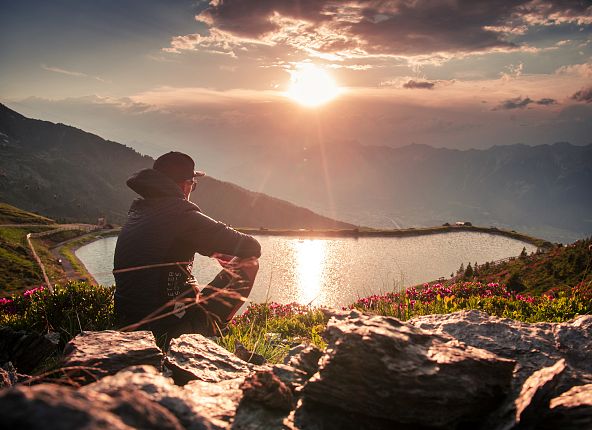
x=544, y=190
x=70, y=175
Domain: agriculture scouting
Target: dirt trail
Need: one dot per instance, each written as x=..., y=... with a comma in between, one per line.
x=70, y=271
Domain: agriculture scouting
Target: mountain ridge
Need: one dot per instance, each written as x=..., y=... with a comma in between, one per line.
x=540, y=189
x=70, y=174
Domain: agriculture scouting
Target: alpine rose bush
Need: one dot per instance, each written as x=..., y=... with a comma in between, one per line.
x=70, y=309
x=492, y=298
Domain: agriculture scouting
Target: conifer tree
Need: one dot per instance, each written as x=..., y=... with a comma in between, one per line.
x=469, y=271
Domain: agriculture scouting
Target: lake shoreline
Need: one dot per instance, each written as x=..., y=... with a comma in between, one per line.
x=371, y=232
x=68, y=250
x=408, y=232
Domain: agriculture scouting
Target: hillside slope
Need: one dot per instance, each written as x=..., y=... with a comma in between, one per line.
x=561, y=268
x=17, y=266
x=11, y=215
x=71, y=175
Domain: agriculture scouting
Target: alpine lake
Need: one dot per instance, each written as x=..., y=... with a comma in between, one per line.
x=336, y=272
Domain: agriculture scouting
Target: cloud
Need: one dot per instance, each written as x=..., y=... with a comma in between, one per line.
x=513, y=71
x=520, y=103
x=583, y=70
x=364, y=28
x=427, y=85
x=548, y=13
x=516, y=103
x=72, y=73
x=218, y=41
x=583, y=95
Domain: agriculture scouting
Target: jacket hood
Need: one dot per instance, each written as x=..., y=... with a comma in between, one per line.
x=150, y=184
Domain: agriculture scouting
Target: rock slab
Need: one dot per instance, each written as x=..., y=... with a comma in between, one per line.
x=305, y=358
x=25, y=350
x=383, y=368
x=106, y=352
x=571, y=410
x=532, y=346
x=55, y=407
x=150, y=382
x=193, y=356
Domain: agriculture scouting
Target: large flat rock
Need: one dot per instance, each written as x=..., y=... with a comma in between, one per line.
x=532, y=346
x=386, y=369
x=191, y=410
x=193, y=356
x=106, y=352
x=55, y=407
x=217, y=400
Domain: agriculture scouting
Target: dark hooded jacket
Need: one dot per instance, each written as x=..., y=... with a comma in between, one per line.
x=163, y=227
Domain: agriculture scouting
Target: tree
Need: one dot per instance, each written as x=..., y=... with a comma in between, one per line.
x=469, y=271
x=515, y=283
x=523, y=254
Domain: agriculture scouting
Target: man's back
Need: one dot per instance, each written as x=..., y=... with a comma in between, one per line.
x=165, y=230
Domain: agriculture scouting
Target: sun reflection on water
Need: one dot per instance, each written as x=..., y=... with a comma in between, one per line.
x=310, y=262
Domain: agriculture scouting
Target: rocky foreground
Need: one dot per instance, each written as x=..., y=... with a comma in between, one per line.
x=465, y=370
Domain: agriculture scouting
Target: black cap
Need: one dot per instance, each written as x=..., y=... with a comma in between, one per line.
x=177, y=166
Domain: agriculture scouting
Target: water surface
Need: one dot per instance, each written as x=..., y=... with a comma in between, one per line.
x=338, y=271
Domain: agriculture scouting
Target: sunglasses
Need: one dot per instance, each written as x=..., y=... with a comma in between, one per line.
x=193, y=183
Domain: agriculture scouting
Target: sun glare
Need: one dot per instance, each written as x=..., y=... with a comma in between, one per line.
x=310, y=261
x=311, y=86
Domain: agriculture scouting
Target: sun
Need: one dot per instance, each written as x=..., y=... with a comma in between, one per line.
x=311, y=86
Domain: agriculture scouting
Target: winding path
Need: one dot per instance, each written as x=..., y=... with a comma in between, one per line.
x=69, y=270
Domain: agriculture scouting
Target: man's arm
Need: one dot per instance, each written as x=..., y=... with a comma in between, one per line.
x=209, y=236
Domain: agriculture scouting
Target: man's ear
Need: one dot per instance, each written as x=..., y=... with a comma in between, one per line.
x=185, y=188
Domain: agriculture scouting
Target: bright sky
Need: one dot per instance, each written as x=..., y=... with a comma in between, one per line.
x=157, y=74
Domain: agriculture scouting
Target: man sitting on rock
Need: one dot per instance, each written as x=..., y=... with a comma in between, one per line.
x=154, y=257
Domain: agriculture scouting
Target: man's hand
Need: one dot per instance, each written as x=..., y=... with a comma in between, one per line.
x=238, y=267
x=248, y=268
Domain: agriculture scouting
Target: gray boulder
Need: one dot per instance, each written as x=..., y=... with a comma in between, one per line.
x=102, y=353
x=217, y=400
x=242, y=405
x=266, y=403
x=572, y=410
x=394, y=372
x=536, y=393
x=25, y=350
x=148, y=380
x=528, y=409
x=55, y=407
x=266, y=389
x=192, y=356
x=305, y=358
x=532, y=346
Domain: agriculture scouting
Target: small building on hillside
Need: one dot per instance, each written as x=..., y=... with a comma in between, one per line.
x=465, y=223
